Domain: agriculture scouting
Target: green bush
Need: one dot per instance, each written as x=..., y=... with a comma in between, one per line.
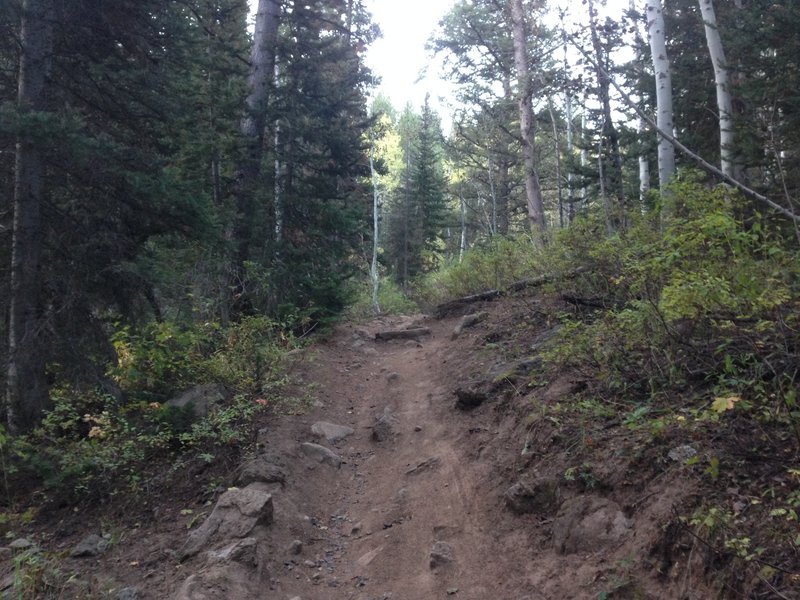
x=713, y=297
x=391, y=300
x=502, y=261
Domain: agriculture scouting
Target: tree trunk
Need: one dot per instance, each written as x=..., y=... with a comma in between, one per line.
x=664, y=116
x=722, y=82
x=527, y=123
x=373, y=269
x=26, y=393
x=262, y=69
x=644, y=170
x=612, y=174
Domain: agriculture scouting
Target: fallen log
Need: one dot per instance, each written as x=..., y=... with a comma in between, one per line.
x=468, y=321
x=402, y=334
x=448, y=308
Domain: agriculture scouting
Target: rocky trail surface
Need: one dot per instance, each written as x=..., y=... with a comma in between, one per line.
x=399, y=485
x=434, y=463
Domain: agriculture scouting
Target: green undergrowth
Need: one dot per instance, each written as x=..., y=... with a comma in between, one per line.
x=492, y=265
x=391, y=301
x=94, y=444
x=685, y=330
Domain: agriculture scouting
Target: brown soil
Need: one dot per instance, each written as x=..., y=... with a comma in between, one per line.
x=438, y=482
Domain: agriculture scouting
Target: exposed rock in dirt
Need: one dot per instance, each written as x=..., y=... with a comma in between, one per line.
x=236, y=514
x=467, y=399
x=21, y=544
x=321, y=454
x=202, y=398
x=682, y=453
x=261, y=469
x=588, y=524
x=243, y=552
x=441, y=555
x=91, y=545
x=503, y=374
x=540, y=497
x=128, y=593
x=221, y=582
x=296, y=547
x=331, y=432
x=384, y=427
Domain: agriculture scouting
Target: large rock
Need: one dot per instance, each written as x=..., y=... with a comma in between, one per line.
x=588, y=524
x=237, y=513
x=331, y=432
x=201, y=398
x=540, y=497
x=321, y=454
x=262, y=470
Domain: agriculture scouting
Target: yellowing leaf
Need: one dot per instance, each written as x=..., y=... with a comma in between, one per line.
x=722, y=404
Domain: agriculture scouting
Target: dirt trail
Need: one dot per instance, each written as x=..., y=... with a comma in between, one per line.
x=403, y=518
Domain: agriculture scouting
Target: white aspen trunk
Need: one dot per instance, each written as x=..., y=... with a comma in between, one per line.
x=527, y=122
x=664, y=117
x=722, y=83
x=644, y=164
x=463, y=246
x=584, y=154
x=644, y=170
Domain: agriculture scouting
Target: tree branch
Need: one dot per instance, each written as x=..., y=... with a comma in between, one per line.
x=705, y=165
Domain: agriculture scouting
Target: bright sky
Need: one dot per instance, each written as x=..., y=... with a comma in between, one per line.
x=400, y=59
x=400, y=56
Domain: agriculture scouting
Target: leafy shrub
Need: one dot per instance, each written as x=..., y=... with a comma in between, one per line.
x=713, y=298
x=160, y=360
x=391, y=300
x=503, y=261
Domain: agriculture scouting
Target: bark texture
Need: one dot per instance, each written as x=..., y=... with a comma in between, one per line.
x=26, y=393
x=722, y=83
x=527, y=122
x=664, y=116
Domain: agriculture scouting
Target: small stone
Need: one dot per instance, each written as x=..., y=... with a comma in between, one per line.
x=296, y=547
x=417, y=428
x=384, y=427
x=331, y=432
x=393, y=377
x=128, y=593
x=441, y=554
x=356, y=529
x=91, y=545
x=21, y=544
x=452, y=591
x=310, y=563
x=682, y=453
x=540, y=497
x=321, y=454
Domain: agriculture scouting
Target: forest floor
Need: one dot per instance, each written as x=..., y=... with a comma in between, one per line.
x=511, y=499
